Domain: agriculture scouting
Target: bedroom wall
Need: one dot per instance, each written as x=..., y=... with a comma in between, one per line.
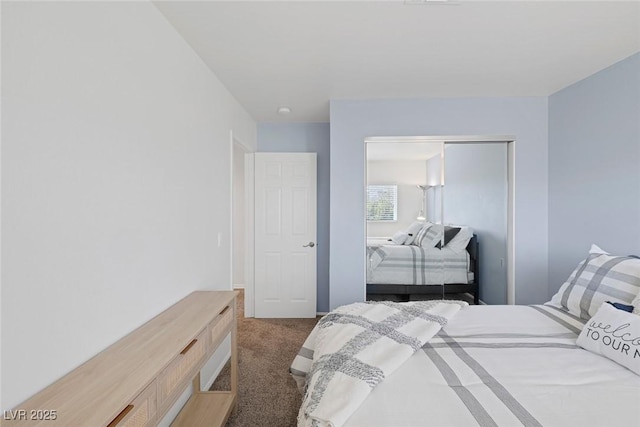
x=594, y=168
x=307, y=138
x=354, y=120
x=406, y=174
x=115, y=166
x=434, y=194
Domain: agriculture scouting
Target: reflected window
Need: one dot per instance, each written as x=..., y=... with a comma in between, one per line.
x=382, y=203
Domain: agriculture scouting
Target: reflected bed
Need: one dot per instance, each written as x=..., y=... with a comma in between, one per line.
x=406, y=270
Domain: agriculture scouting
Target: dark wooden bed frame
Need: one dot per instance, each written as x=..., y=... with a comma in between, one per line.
x=405, y=291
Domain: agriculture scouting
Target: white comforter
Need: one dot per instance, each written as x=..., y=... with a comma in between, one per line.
x=505, y=366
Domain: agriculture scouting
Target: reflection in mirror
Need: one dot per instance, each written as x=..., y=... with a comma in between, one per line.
x=476, y=196
x=403, y=206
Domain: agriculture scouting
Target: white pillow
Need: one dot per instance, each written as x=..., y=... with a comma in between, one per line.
x=636, y=305
x=413, y=231
x=461, y=240
x=595, y=249
x=614, y=334
x=599, y=278
x=399, y=237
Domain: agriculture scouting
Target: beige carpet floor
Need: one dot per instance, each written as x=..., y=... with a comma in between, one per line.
x=267, y=395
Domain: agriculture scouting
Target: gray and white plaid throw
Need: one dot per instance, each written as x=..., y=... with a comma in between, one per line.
x=355, y=347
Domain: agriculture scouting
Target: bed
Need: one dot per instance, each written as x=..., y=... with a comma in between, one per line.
x=406, y=270
x=538, y=365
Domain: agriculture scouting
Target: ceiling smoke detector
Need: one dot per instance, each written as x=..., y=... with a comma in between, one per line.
x=283, y=111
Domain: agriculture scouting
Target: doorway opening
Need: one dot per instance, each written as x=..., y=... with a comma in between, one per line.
x=240, y=254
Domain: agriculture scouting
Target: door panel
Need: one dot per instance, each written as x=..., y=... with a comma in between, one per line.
x=285, y=221
x=476, y=194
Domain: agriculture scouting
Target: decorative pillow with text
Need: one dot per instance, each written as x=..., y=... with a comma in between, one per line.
x=614, y=334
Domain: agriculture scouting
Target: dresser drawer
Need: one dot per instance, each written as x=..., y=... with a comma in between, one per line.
x=182, y=369
x=219, y=327
x=140, y=412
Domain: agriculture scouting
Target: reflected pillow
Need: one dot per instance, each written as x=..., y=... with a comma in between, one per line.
x=413, y=231
x=599, y=278
x=461, y=240
x=422, y=234
x=449, y=234
x=399, y=237
x=614, y=334
x=432, y=236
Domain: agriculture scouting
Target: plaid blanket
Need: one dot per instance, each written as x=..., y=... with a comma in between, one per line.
x=376, y=254
x=355, y=347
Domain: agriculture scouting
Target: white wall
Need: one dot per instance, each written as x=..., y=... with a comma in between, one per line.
x=433, y=194
x=115, y=174
x=406, y=174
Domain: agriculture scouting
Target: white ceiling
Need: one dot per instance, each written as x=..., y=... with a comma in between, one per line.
x=302, y=54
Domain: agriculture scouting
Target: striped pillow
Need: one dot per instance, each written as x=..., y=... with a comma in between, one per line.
x=433, y=236
x=421, y=235
x=599, y=278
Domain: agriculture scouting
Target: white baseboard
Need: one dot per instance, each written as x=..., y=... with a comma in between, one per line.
x=239, y=286
x=322, y=313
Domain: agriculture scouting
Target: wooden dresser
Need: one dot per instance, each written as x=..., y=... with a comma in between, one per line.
x=135, y=381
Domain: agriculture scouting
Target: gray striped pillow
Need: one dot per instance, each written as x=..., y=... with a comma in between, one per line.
x=599, y=278
x=421, y=235
x=433, y=235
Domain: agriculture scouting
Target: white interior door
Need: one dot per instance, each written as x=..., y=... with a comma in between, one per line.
x=285, y=234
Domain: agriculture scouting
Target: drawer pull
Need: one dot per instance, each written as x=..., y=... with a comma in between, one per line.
x=224, y=310
x=120, y=416
x=191, y=344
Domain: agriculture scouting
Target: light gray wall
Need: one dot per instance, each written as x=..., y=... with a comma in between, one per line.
x=594, y=168
x=307, y=138
x=433, y=194
x=354, y=120
x=115, y=163
x=475, y=194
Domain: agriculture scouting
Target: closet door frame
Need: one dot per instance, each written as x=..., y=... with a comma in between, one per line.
x=511, y=147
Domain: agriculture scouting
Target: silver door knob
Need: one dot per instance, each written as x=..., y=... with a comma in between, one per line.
x=310, y=245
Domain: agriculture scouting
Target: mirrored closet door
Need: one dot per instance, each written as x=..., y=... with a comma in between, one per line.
x=475, y=199
x=403, y=203
x=436, y=221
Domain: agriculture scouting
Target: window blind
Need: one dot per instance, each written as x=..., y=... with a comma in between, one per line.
x=382, y=202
